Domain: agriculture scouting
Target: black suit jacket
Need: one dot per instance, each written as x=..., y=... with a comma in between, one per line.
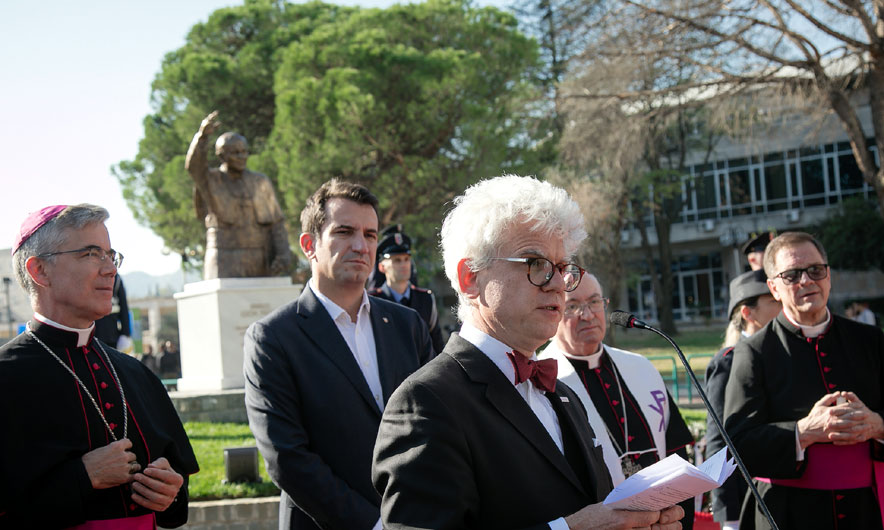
x=459, y=448
x=312, y=412
x=728, y=499
x=422, y=301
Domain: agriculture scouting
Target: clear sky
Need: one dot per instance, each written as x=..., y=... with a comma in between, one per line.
x=74, y=90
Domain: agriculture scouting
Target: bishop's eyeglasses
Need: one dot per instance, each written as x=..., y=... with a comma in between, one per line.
x=91, y=252
x=541, y=270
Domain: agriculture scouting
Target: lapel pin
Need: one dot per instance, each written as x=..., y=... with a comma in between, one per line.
x=385, y=320
x=565, y=400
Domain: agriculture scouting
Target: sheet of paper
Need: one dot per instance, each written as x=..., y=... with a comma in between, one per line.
x=669, y=482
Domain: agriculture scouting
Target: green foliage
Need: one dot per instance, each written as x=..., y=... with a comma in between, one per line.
x=853, y=236
x=227, y=63
x=209, y=441
x=415, y=101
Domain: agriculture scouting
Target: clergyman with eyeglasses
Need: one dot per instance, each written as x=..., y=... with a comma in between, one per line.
x=623, y=393
x=89, y=437
x=804, y=401
x=482, y=436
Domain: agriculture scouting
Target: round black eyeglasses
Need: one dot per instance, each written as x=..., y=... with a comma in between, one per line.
x=541, y=270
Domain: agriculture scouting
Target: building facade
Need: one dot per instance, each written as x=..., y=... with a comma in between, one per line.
x=789, y=178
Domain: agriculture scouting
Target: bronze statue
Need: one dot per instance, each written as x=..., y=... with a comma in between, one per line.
x=245, y=228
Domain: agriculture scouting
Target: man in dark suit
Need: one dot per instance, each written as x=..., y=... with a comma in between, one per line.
x=482, y=437
x=319, y=370
x=394, y=253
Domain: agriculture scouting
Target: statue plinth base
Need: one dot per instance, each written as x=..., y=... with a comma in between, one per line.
x=213, y=316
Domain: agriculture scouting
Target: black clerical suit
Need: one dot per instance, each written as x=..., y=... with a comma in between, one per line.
x=777, y=376
x=312, y=412
x=728, y=499
x=459, y=448
x=48, y=423
x=603, y=384
x=422, y=301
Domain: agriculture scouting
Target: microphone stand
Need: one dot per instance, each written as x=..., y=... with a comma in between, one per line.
x=633, y=322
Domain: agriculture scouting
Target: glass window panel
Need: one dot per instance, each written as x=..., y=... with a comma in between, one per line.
x=649, y=307
x=809, y=151
x=849, y=174
x=813, y=182
x=741, y=193
x=773, y=157
x=705, y=189
x=722, y=195
x=843, y=146
x=775, y=187
x=689, y=296
x=738, y=162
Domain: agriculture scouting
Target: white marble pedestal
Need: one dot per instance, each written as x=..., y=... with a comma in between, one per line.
x=213, y=316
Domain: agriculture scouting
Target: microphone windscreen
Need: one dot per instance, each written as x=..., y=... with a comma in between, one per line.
x=621, y=318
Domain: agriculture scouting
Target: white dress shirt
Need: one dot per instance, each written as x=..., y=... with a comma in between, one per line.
x=497, y=351
x=359, y=337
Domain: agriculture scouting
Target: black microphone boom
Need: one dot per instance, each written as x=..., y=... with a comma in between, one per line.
x=627, y=320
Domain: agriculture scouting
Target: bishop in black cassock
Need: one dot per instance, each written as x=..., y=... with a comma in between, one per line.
x=90, y=438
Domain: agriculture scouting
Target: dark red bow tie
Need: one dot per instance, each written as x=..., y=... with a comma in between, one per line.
x=541, y=373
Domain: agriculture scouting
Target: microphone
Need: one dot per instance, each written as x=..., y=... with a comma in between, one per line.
x=628, y=320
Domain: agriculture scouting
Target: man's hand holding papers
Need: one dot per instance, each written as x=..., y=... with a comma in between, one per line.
x=669, y=482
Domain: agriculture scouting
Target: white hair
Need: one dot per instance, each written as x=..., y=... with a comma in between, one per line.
x=474, y=227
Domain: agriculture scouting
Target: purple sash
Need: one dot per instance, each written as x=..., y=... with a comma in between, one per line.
x=143, y=522
x=839, y=467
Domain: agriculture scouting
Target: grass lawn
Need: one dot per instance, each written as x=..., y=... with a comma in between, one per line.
x=699, y=342
x=209, y=441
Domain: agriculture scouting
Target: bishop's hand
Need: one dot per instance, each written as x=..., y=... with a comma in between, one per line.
x=157, y=487
x=111, y=465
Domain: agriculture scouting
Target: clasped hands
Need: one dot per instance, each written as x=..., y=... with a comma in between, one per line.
x=845, y=423
x=155, y=488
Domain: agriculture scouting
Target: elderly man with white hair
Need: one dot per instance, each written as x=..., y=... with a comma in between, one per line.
x=482, y=436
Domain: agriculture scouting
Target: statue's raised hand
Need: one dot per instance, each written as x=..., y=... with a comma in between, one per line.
x=210, y=123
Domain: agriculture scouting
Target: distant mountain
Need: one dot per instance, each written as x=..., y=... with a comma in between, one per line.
x=143, y=285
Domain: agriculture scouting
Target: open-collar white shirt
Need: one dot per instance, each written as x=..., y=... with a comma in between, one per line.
x=359, y=337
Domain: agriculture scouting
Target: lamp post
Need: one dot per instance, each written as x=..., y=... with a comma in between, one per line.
x=6, y=281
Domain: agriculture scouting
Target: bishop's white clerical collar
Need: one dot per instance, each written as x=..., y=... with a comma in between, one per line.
x=83, y=335
x=811, y=331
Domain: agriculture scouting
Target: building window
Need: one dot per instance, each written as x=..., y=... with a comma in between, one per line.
x=697, y=293
x=817, y=175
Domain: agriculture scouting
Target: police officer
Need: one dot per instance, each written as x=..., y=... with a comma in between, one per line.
x=754, y=248
x=394, y=262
